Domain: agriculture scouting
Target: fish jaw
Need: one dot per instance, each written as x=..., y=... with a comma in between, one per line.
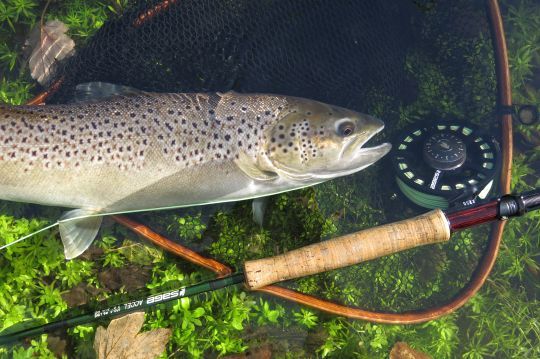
x=362, y=158
x=348, y=155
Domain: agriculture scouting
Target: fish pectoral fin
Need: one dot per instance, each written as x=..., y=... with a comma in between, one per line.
x=248, y=166
x=94, y=91
x=78, y=229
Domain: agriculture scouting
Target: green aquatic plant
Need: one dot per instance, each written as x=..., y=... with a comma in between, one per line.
x=18, y=12
x=500, y=321
x=82, y=17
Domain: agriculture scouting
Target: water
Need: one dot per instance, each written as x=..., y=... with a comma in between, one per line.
x=442, y=67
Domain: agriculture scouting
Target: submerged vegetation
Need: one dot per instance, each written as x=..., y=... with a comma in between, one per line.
x=500, y=321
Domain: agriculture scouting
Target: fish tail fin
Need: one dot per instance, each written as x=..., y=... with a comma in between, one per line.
x=78, y=229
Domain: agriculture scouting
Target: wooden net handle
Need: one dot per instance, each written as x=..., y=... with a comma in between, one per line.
x=349, y=249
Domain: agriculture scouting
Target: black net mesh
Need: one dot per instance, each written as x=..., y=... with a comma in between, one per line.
x=404, y=61
x=340, y=52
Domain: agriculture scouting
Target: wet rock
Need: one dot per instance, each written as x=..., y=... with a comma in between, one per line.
x=130, y=277
x=92, y=253
x=57, y=345
x=262, y=352
x=80, y=295
x=402, y=350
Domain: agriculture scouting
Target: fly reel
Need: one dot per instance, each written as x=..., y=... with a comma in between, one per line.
x=441, y=164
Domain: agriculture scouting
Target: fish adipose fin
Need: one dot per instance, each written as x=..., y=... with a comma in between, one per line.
x=247, y=165
x=94, y=91
x=78, y=229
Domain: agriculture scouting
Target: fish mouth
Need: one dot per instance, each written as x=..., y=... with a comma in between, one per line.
x=357, y=146
x=355, y=156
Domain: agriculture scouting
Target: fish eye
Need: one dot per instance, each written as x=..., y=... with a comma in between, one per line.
x=345, y=129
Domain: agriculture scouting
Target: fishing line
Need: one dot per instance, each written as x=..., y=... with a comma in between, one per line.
x=92, y=215
x=29, y=235
x=432, y=227
x=443, y=163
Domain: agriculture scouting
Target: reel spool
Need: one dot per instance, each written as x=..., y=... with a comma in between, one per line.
x=442, y=163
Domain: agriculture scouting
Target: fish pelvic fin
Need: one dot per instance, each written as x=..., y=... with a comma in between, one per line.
x=78, y=229
x=258, y=208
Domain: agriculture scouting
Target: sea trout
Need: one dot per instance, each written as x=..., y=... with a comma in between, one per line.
x=148, y=151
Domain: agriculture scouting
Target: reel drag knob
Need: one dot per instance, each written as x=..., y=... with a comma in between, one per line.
x=444, y=151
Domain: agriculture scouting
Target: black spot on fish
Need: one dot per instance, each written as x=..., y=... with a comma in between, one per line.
x=227, y=137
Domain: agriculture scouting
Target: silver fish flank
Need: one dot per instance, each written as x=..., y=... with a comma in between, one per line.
x=149, y=151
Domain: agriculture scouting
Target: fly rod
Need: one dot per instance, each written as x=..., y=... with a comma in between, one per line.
x=433, y=227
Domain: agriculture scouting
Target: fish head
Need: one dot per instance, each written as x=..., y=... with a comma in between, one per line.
x=313, y=141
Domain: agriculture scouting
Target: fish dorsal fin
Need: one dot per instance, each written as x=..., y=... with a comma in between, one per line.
x=78, y=229
x=94, y=91
x=248, y=166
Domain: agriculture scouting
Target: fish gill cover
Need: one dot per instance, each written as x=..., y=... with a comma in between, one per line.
x=403, y=61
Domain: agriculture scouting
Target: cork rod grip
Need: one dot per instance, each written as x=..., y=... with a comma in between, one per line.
x=349, y=249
